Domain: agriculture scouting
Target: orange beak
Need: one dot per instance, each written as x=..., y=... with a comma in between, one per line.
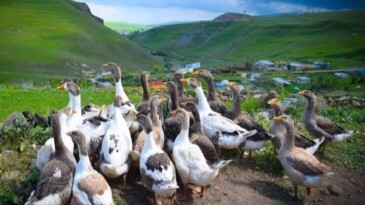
x=173, y=112
x=231, y=84
x=61, y=87
x=301, y=92
x=278, y=118
x=105, y=65
x=183, y=103
x=195, y=73
x=184, y=80
x=273, y=101
x=69, y=133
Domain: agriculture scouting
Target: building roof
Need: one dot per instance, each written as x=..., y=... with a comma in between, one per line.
x=281, y=81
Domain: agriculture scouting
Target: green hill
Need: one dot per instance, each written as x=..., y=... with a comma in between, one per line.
x=337, y=37
x=40, y=39
x=126, y=27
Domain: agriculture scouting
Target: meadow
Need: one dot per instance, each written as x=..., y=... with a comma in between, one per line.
x=19, y=145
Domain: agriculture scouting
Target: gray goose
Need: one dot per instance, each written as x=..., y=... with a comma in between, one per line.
x=143, y=108
x=89, y=186
x=156, y=168
x=180, y=90
x=54, y=184
x=196, y=131
x=244, y=120
x=172, y=126
x=214, y=103
x=320, y=126
x=279, y=132
x=157, y=131
x=301, y=167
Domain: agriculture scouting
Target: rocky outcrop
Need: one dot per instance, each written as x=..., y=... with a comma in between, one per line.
x=232, y=17
x=85, y=8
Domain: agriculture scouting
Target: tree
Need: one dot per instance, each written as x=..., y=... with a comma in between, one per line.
x=156, y=68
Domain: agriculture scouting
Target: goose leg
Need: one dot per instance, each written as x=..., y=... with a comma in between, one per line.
x=155, y=200
x=296, y=192
x=249, y=155
x=125, y=185
x=308, y=191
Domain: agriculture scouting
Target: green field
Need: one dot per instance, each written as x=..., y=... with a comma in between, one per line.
x=336, y=37
x=123, y=26
x=40, y=39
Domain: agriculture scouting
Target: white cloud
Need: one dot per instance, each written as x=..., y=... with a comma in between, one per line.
x=144, y=15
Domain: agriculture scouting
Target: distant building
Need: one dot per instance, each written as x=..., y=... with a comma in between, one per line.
x=221, y=84
x=342, y=75
x=189, y=68
x=303, y=79
x=321, y=65
x=255, y=76
x=295, y=66
x=281, y=81
x=362, y=71
x=264, y=64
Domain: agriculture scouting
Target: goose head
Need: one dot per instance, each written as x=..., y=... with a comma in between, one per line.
x=118, y=101
x=273, y=102
x=70, y=87
x=307, y=94
x=183, y=116
x=80, y=139
x=114, y=69
x=286, y=121
x=145, y=122
x=192, y=82
x=202, y=73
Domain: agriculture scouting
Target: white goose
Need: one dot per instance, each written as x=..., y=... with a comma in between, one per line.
x=89, y=186
x=189, y=160
x=116, y=145
x=219, y=129
x=55, y=180
x=157, y=170
x=94, y=127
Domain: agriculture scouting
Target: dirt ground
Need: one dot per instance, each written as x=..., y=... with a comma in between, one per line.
x=241, y=183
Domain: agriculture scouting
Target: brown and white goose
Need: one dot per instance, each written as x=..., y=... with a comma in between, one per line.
x=301, y=167
x=245, y=121
x=143, y=107
x=189, y=160
x=157, y=170
x=221, y=130
x=172, y=126
x=89, y=186
x=180, y=90
x=157, y=131
x=320, y=126
x=214, y=103
x=55, y=180
x=196, y=132
x=279, y=132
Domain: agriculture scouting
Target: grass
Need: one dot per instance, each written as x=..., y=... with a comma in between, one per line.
x=336, y=37
x=123, y=26
x=41, y=39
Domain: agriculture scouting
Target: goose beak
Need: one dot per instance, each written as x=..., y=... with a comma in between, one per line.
x=105, y=65
x=184, y=80
x=173, y=113
x=183, y=104
x=273, y=101
x=61, y=87
x=193, y=138
x=231, y=84
x=72, y=111
x=195, y=73
x=163, y=99
x=69, y=133
x=301, y=92
x=278, y=118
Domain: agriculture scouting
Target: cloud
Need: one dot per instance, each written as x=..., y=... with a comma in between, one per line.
x=145, y=15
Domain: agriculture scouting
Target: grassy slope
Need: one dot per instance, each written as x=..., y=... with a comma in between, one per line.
x=122, y=26
x=337, y=37
x=39, y=38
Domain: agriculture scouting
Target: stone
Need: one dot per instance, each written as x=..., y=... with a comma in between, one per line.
x=334, y=190
x=324, y=192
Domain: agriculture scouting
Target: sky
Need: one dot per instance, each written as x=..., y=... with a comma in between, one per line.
x=167, y=11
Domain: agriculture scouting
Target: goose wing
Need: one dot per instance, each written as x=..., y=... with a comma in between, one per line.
x=307, y=164
x=54, y=178
x=328, y=126
x=221, y=123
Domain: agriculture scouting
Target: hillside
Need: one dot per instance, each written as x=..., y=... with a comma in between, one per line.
x=121, y=27
x=44, y=38
x=337, y=37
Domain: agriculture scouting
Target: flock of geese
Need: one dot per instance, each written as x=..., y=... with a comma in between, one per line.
x=186, y=144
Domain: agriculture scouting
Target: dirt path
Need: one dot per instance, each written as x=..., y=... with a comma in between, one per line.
x=241, y=183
